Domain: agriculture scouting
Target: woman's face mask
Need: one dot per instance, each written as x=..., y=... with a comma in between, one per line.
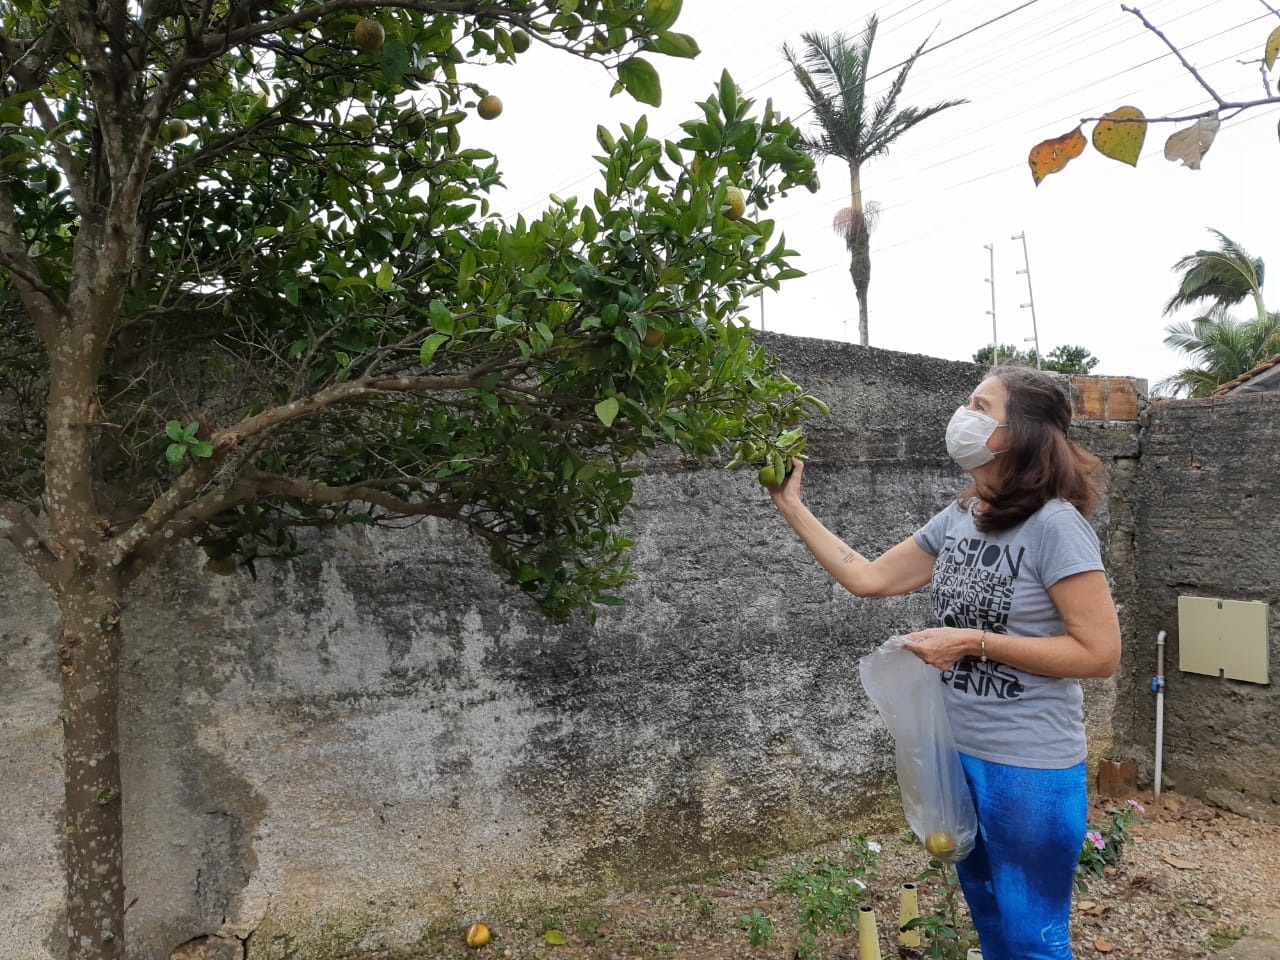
x=967, y=436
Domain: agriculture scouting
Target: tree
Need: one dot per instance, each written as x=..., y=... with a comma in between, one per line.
x=249, y=284
x=1069, y=359
x=1224, y=277
x=1120, y=133
x=833, y=71
x=1062, y=359
x=1221, y=348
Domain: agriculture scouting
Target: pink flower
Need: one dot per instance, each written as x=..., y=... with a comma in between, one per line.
x=1096, y=837
x=1135, y=803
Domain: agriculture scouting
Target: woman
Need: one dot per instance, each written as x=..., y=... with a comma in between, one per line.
x=1021, y=611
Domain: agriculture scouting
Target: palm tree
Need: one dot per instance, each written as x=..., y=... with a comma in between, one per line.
x=1225, y=277
x=1221, y=347
x=834, y=73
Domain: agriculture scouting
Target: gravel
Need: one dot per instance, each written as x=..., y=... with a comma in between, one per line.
x=1194, y=879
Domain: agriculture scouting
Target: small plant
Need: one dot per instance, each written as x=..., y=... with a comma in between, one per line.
x=947, y=933
x=1104, y=846
x=758, y=926
x=828, y=893
x=184, y=440
x=588, y=929
x=701, y=906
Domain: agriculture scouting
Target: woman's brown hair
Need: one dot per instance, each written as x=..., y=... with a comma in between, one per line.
x=1040, y=462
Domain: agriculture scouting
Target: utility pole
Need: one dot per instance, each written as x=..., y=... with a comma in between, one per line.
x=991, y=279
x=1031, y=301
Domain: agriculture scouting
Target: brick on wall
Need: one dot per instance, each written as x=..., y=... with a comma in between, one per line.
x=1105, y=398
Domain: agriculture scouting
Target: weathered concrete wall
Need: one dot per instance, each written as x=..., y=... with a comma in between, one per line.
x=384, y=736
x=1208, y=507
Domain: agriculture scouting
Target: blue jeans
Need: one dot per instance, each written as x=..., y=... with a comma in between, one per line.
x=1019, y=878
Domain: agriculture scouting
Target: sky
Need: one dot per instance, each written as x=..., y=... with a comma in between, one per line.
x=1100, y=237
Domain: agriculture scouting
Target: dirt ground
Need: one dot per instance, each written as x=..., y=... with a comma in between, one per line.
x=1194, y=879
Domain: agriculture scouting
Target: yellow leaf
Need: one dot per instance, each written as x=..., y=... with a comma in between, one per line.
x=1119, y=135
x=1272, y=49
x=1190, y=144
x=1052, y=155
x=555, y=938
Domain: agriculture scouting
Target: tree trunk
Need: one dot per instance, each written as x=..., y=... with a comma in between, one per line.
x=89, y=654
x=859, y=250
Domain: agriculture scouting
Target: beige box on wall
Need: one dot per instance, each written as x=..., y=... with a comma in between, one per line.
x=1223, y=638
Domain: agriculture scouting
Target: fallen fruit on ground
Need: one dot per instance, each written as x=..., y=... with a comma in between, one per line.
x=489, y=107
x=369, y=35
x=477, y=935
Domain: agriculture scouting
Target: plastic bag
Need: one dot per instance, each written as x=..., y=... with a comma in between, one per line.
x=935, y=796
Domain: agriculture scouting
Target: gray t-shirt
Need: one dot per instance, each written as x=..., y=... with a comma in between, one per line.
x=1001, y=581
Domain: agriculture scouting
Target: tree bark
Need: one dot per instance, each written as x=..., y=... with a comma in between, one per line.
x=89, y=655
x=859, y=250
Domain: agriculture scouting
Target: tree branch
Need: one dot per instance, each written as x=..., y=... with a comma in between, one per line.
x=42, y=302
x=1235, y=106
x=82, y=24
x=341, y=393
x=367, y=492
x=1177, y=53
x=187, y=503
x=19, y=526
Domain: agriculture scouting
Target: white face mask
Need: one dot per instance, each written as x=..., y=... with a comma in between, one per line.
x=967, y=436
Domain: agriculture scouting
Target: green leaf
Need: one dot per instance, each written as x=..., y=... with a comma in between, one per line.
x=202, y=449
x=553, y=937
x=385, y=279
x=440, y=316
x=728, y=96
x=430, y=346
x=661, y=14
x=607, y=410
x=173, y=430
x=640, y=79
x=395, y=61
x=174, y=453
x=674, y=45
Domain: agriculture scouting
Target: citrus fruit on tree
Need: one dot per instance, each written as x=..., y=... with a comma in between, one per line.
x=735, y=204
x=489, y=107
x=771, y=477
x=653, y=337
x=369, y=35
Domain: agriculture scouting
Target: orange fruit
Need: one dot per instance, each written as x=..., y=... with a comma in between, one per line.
x=369, y=35
x=489, y=107
x=477, y=935
x=735, y=204
x=940, y=844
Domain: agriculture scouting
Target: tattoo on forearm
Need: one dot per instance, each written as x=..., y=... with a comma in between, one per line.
x=849, y=557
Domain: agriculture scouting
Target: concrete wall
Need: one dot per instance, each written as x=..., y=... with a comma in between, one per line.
x=1207, y=495
x=383, y=736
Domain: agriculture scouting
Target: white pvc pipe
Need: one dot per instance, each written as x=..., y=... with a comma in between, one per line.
x=1158, y=686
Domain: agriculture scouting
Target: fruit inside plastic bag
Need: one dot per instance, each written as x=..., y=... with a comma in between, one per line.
x=935, y=797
